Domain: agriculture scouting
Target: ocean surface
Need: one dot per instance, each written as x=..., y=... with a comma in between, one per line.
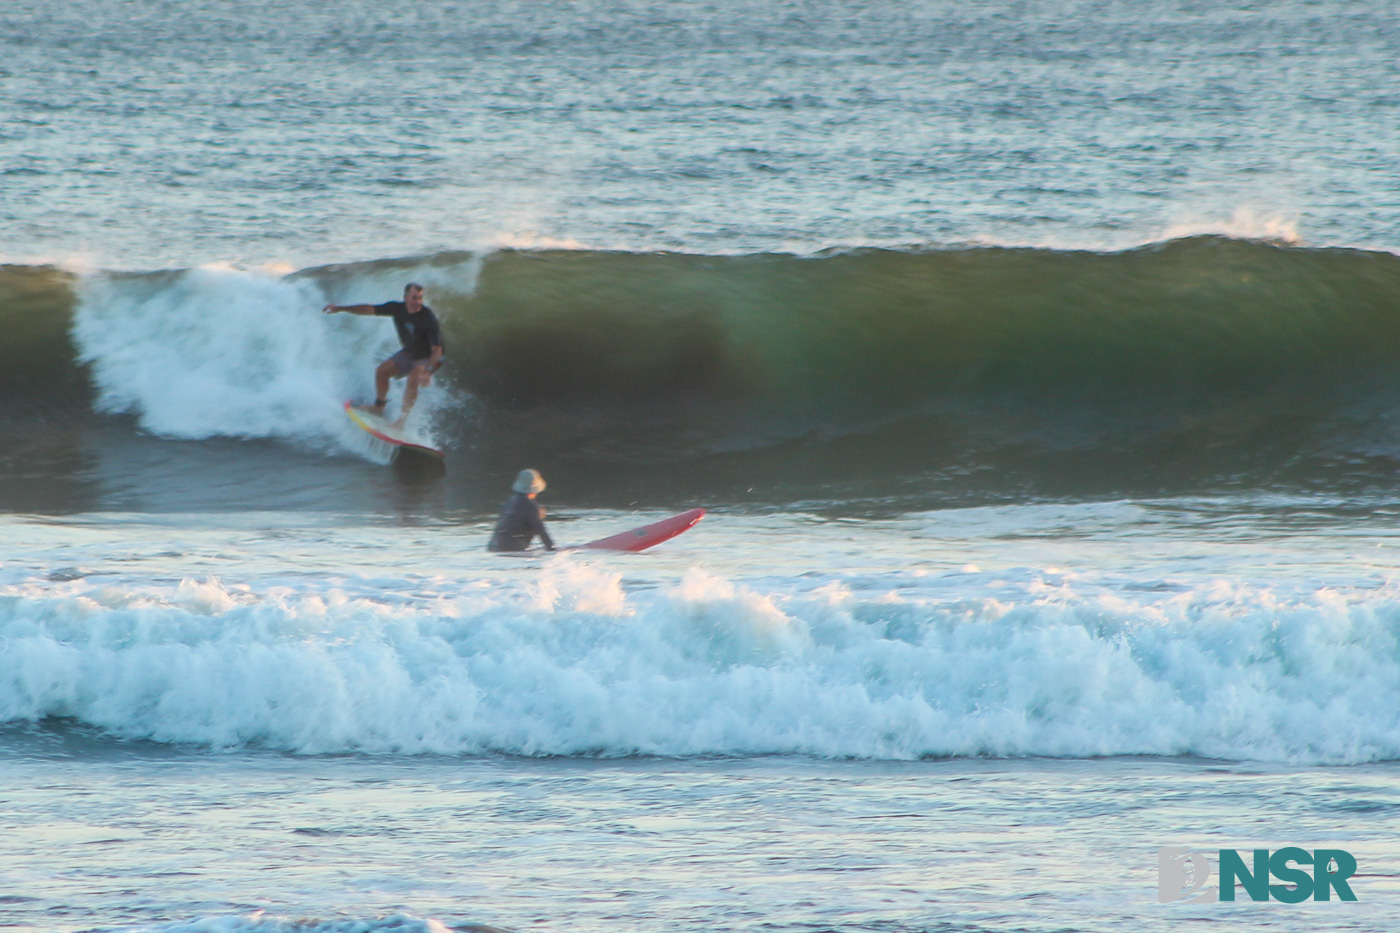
x=1038, y=364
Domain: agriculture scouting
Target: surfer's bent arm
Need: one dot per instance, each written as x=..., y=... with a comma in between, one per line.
x=353, y=309
x=537, y=526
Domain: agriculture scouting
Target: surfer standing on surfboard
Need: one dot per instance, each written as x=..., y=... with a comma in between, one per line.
x=421, y=356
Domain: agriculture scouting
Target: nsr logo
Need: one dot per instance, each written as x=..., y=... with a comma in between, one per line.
x=1297, y=885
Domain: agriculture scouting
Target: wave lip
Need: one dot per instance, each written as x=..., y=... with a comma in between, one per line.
x=576, y=666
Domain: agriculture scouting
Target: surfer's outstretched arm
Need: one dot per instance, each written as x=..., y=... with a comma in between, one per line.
x=352, y=309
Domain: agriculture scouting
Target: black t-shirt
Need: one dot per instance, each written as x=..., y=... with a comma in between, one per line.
x=418, y=332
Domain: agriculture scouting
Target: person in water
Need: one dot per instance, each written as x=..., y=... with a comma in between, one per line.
x=521, y=517
x=421, y=356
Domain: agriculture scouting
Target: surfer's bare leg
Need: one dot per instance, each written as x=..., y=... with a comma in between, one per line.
x=421, y=375
x=385, y=371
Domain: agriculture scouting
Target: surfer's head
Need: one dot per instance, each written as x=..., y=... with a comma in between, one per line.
x=413, y=297
x=529, y=482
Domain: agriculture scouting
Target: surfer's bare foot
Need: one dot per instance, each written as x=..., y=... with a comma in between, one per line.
x=377, y=410
x=398, y=425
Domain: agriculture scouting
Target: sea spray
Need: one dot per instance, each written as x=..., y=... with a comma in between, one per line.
x=215, y=352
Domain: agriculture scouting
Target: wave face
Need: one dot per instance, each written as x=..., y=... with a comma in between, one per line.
x=38, y=363
x=877, y=329
x=576, y=664
x=1202, y=362
x=1198, y=359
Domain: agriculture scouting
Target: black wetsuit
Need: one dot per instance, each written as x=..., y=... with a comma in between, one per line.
x=419, y=332
x=520, y=521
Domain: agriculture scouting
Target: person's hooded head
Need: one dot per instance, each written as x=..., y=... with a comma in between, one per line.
x=529, y=482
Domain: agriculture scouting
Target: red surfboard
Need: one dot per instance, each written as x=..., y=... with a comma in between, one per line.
x=639, y=539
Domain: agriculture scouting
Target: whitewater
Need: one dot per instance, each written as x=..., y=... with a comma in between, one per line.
x=719, y=648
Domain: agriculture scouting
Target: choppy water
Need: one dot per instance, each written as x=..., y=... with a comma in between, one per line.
x=154, y=135
x=736, y=844
x=1037, y=364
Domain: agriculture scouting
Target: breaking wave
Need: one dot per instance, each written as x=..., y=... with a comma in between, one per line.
x=576, y=664
x=1201, y=360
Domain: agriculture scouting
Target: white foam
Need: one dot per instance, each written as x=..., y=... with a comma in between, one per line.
x=1244, y=223
x=570, y=662
x=216, y=352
